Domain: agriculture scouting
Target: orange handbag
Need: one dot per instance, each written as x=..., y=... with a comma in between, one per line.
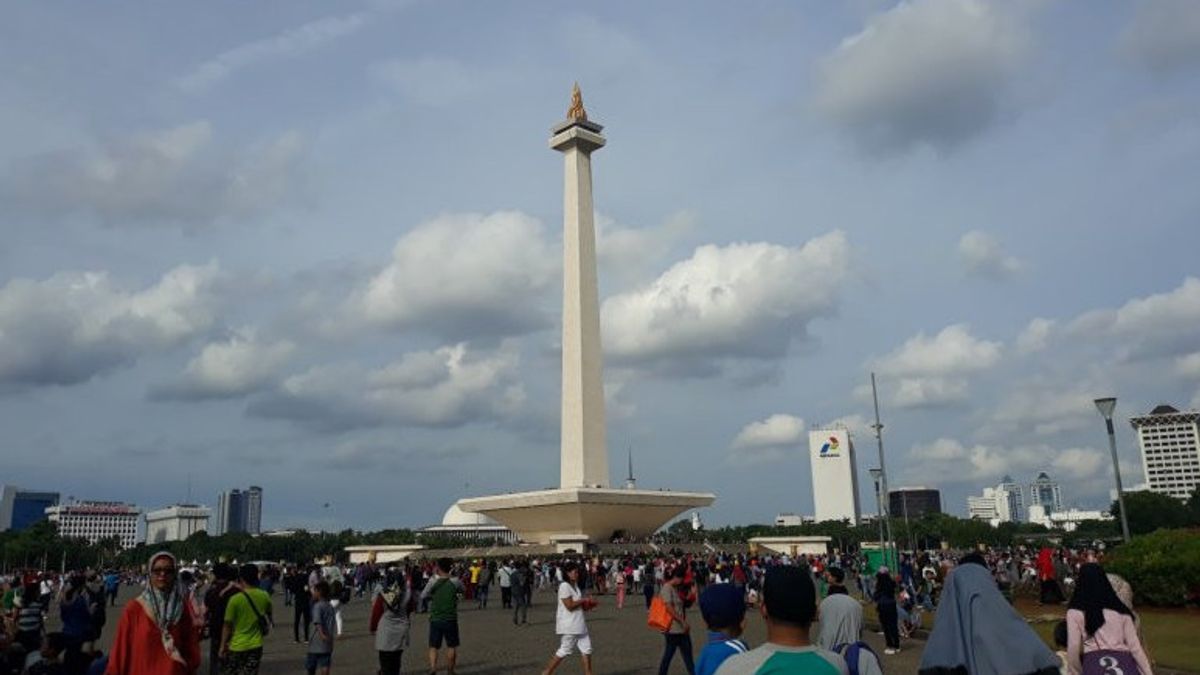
x=659, y=618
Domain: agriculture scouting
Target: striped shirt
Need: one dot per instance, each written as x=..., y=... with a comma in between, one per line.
x=29, y=618
x=719, y=648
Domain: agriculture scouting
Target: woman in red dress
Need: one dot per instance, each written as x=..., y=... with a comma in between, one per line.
x=157, y=634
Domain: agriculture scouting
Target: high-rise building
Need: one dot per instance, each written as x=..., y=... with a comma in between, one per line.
x=982, y=508
x=914, y=502
x=1170, y=443
x=1013, y=508
x=21, y=508
x=254, y=498
x=834, y=474
x=998, y=504
x=176, y=523
x=1045, y=492
x=239, y=511
x=95, y=521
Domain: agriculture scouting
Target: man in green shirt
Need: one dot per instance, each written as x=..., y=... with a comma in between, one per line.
x=789, y=605
x=443, y=590
x=247, y=618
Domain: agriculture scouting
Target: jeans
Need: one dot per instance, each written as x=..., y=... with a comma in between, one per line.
x=481, y=596
x=648, y=591
x=521, y=609
x=682, y=642
x=301, y=614
x=506, y=597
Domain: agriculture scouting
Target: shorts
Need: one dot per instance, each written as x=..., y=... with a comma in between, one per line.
x=242, y=663
x=314, y=661
x=439, y=630
x=567, y=646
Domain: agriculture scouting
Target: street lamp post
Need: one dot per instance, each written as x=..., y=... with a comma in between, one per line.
x=1106, y=407
x=876, y=476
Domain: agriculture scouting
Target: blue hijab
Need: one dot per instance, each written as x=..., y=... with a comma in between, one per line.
x=977, y=632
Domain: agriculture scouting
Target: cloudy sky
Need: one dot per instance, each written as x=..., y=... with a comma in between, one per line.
x=316, y=246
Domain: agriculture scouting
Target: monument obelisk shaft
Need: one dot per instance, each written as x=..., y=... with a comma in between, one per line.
x=584, y=458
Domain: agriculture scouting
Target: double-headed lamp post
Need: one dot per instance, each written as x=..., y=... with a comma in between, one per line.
x=1106, y=407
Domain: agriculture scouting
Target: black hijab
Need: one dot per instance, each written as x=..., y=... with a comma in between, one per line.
x=1094, y=594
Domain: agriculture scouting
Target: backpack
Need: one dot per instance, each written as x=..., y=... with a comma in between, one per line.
x=852, y=653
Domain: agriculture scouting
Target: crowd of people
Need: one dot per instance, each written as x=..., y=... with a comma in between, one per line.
x=163, y=630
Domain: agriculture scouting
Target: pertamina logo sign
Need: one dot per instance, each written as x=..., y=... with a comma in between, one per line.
x=831, y=448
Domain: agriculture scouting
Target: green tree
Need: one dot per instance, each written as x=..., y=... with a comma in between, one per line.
x=1150, y=511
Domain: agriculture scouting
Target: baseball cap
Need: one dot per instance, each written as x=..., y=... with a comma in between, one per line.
x=722, y=606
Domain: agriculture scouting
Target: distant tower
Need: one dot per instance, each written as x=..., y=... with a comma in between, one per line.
x=696, y=524
x=584, y=455
x=630, y=483
x=1045, y=492
x=253, y=510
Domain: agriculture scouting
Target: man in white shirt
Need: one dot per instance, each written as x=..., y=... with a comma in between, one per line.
x=569, y=622
x=504, y=576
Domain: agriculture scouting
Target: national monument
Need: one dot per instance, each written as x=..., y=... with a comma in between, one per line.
x=584, y=509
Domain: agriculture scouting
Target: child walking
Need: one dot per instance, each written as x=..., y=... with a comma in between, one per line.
x=320, y=645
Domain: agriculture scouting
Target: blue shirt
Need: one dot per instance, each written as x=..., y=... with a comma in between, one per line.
x=720, y=647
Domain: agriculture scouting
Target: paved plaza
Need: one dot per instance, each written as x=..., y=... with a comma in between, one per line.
x=492, y=645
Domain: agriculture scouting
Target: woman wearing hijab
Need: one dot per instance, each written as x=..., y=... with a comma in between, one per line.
x=1101, y=633
x=977, y=632
x=1051, y=593
x=157, y=634
x=885, y=606
x=390, y=620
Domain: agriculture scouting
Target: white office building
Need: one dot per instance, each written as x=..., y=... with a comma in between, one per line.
x=792, y=520
x=1170, y=444
x=95, y=521
x=1046, y=493
x=834, y=474
x=176, y=523
x=982, y=508
x=1000, y=504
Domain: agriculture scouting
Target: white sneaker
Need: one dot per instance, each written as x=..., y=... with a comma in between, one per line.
x=890, y=651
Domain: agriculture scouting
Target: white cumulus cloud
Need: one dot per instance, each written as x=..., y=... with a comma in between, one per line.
x=775, y=431
x=747, y=300
x=983, y=256
x=464, y=275
x=1036, y=335
x=240, y=364
x=1163, y=324
x=953, y=351
x=949, y=460
x=926, y=72
x=930, y=372
x=75, y=325
x=447, y=387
